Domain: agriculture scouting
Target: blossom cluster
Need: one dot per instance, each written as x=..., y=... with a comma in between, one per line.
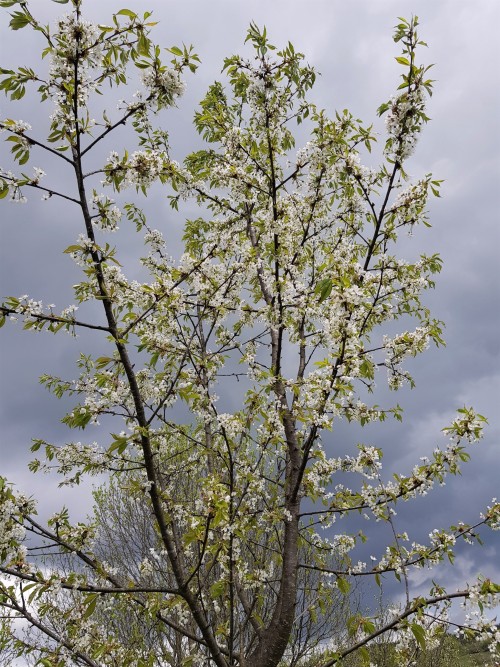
x=492, y=515
x=141, y=169
x=13, y=509
x=410, y=204
x=9, y=182
x=74, y=457
x=163, y=84
x=404, y=122
x=78, y=44
x=482, y=596
x=108, y=215
x=14, y=126
x=401, y=346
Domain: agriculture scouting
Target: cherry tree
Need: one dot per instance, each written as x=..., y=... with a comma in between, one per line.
x=229, y=366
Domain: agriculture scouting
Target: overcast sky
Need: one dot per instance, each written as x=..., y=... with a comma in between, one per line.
x=350, y=44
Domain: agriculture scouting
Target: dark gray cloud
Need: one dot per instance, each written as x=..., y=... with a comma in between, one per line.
x=351, y=45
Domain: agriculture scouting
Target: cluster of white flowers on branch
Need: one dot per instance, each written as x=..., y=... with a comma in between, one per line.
x=141, y=169
x=12, y=530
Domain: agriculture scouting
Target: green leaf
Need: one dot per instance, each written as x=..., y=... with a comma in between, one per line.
x=343, y=585
x=127, y=12
x=36, y=445
x=365, y=655
x=324, y=289
x=102, y=362
x=90, y=602
x=217, y=589
x=368, y=626
x=120, y=444
x=19, y=20
x=72, y=248
x=419, y=634
x=402, y=60
x=143, y=45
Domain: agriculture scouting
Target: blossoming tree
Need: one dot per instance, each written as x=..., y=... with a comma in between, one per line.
x=278, y=305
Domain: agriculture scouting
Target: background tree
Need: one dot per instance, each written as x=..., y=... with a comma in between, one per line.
x=129, y=544
x=277, y=304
